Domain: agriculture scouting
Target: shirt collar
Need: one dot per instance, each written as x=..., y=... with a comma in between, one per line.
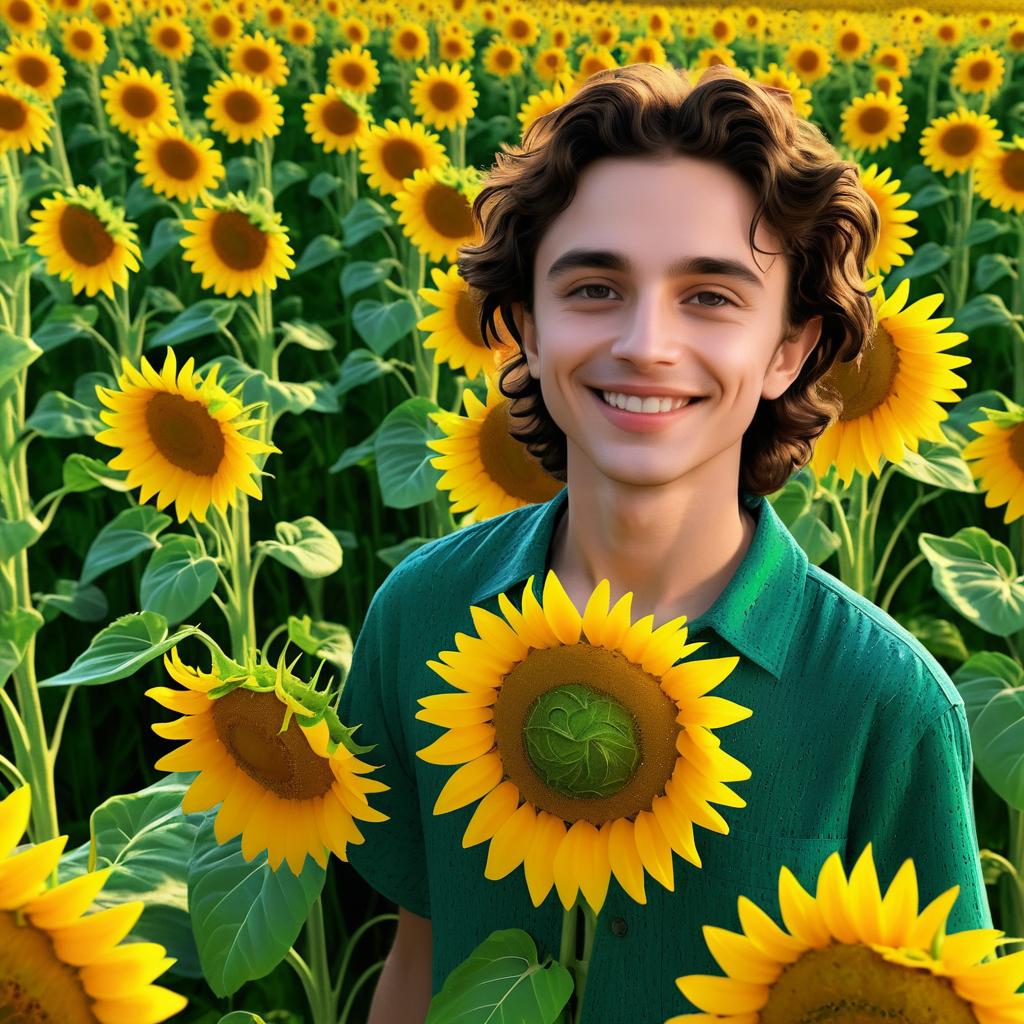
x=756, y=613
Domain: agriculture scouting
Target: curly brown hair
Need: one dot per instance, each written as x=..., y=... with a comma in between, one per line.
x=811, y=199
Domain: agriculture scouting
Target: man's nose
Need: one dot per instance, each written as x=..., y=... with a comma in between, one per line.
x=653, y=333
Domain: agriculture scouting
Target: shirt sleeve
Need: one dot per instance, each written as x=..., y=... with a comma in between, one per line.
x=392, y=859
x=920, y=805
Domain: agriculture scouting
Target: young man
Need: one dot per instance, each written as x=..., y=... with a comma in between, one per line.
x=617, y=244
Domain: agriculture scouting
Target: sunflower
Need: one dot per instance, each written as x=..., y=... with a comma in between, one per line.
x=24, y=124
x=502, y=59
x=615, y=798
x=550, y=64
x=271, y=751
x=355, y=31
x=223, y=27
x=455, y=46
x=957, y=141
x=871, y=122
x=722, y=29
x=109, y=13
x=888, y=82
x=521, y=27
x=277, y=13
x=779, y=78
x=336, y=120
x=999, y=176
x=84, y=40
x=392, y=153
x=32, y=66
x=136, y=98
x=981, y=70
x=301, y=32
x=1015, y=38
x=593, y=60
x=56, y=962
x=237, y=245
x=171, y=37
x=353, y=69
x=545, y=101
x=23, y=17
x=895, y=217
x=996, y=458
x=435, y=209
x=850, y=946
x=409, y=41
x=892, y=58
x=708, y=56
x=261, y=57
x=243, y=108
x=948, y=31
x=891, y=393
x=444, y=97
x=645, y=50
x=851, y=42
x=810, y=60
x=177, y=165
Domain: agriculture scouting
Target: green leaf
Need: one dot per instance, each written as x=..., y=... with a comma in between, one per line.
x=305, y=546
x=167, y=235
x=938, y=464
x=284, y=174
x=362, y=274
x=140, y=199
x=977, y=575
x=282, y=396
x=928, y=196
x=984, y=311
x=83, y=602
x=502, y=982
x=84, y=473
x=942, y=637
x=981, y=677
x=983, y=230
x=179, y=578
x=327, y=640
x=365, y=218
x=206, y=317
x=120, y=650
x=324, y=185
x=817, y=539
x=18, y=534
x=57, y=415
x=309, y=336
x=360, y=367
x=245, y=917
x=128, y=534
x=969, y=410
x=381, y=324
x=16, y=353
x=357, y=455
x=163, y=300
x=65, y=322
x=998, y=741
x=17, y=627
x=321, y=250
x=992, y=267
x=926, y=260
x=242, y=1017
x=402, y=457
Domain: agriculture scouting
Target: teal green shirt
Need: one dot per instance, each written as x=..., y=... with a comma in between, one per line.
x=857, y=734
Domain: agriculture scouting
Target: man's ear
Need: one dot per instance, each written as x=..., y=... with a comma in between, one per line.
x=789, y=359
x=525, y=327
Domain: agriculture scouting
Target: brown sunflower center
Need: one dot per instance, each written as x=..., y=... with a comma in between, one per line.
x=467, y=319
x=1012, y=169
x=409, y=40
x=170, y=37
x=177, y=159
x=138, y=100
x=981, y=71
x=1017, y=445
x=447, y=211
x=503, y=58
x=13, y=114
x=185, y=434
x=36, y=986
x=256, y=59
x=519, y=28
x=554, y=58
x=401, y=158
x=644, y=54
x=612, y=679
x=508, y=462
x=889, y=60
x=83, y=236
x=960, y=139
x=82, y=39
x=33, y=71
x=807, y=60
x=237, y=241
x=1017, y=39
x=867, y=382
x=444, y=95
x=353, y=73
x=242, y=106
x=299, y=33
x=248, y=724
x=874, y=120
x=339, y=118
x=221, y=26
x=20, y=12
x=849, y=41
x=946, y=32
x=852, y=984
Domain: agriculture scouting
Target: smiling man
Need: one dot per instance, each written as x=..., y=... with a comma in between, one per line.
x=680, y=268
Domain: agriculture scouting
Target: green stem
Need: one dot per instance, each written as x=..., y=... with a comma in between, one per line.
x=583, y=965
x=59, y=154
x=359, y=983
x=900, y=577
x=325, y=1009
x=351, y=945
x=921, y=500
x=933, y=81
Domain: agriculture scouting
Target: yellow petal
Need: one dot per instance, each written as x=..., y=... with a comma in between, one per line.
x=470, y=782
x=14, y=814
x=510, y=843
x=539, y=864
x=625, y=859
x=723, y=995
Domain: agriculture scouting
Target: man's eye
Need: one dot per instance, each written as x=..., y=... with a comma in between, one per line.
x=582, y=287
x=717, y=295
x=725, y=300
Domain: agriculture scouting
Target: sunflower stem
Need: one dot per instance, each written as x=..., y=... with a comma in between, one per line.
x=324, y=1008
x=962, y=253
x=58, y=152
x=100, y=115
x=933, y=82
x=583, y=965
x=349, y=948
x=567, y=952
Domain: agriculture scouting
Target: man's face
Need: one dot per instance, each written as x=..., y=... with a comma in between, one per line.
x=631, y=322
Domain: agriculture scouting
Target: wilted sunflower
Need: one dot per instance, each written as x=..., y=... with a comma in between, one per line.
x=172, y=37
x=223, y=27
x=261, y=57
x=999, y=176
x=435, y=209
x=981, y=70
x=501, y=58
x=996, y=458
x=84, y=40
x=444, y=97
x=353, y=69
x=269, y=748
x=871, y=122
x=809, y=60
x=85, y=240
x=23, y=17
x=487, y=470
x=32, y=66
x=58, y=963
x=24, y=125
x=178, y=165
x=850, y=946
x=891, y=392
x=336, y=120
x=180, y=436
x=779, y=78
x=237, y=244
x=545, y=101
x=136, y=98
x=395, y=151
x=614, y=768
x=895, y=217
x=409, y=41
x=955, y=142
x=243, y=108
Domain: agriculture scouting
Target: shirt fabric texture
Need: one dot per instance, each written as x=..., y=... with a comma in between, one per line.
x=857, y=734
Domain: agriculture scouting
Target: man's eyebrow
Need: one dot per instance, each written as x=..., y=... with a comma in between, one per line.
x=608, y=260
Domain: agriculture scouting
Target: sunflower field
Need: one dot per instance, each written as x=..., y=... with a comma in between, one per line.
x=241, y=379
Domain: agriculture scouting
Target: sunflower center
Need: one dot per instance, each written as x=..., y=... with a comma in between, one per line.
x=248, y=725
x=401, y=158
x=170, y=37
x=82, y=39
x=645, y=55
x=138, y=101
x=256, y=60
x=221, y=26
x=866, y=383
x=353, y=73
x=444, y=95
x=339, y=118
x=946, y=32
x=874, y=119
x=20, y=12
x=981, y=71
x=13, y=114
x=889, y=60
x=519, y=29
x=468, y=320
x=242, y=106
x=503, y=58
x=852, y=984
x=36, y=986
x=808, y=61
x=1013, y=169
x=177, y=159
x=598, y=691
x=409, y=40
x=447, y=211
x=84, y=237
x=508, y=462
x=1017, y=445
x=850, y=41
x=33, y=71
x=237, y=241
x=185, y=433
x=960, y=139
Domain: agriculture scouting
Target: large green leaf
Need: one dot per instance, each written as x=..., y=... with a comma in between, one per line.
x=208, y=316
x=58, y=415
x=981, y=677
x=306, y=546
x=18, y=534
x=120, y=650
x=942, y=637
x=16, y=353
x=362, y=274
x=83, y=602
x=365, y=218
x=998, y=742
x=938, y=464
x=502, y=982
x=128, y=534
x=167, y=235
x=64, y=323
x=320, y=250
x=245, y=917
x=817, y=539
x=327, y=640
x=84, y=473
x=381, y=324
x=969, y=410
x=178, y=579
x=986, y=310
x=17, y=627
x=403, y=459
x=977, y=575
x=359, y=367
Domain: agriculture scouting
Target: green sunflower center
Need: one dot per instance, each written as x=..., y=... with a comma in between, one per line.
x=960, y=139
x=138, y=101
x=237, y=241
x=13, y=114
x=186, y=435
x=866, y=383
x=447, y=211
x=177, y=159
x=84, y=237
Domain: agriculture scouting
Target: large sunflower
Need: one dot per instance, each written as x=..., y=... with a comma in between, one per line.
x=85, y=240
x=24, y=125
x=981, y=70
x=871, y=122
x=261, y=57
x=849, y=946
x=178, y=165
x=136, y=98
x=243, y=108
x=522, y=28
x=999, y=176
x=237, y=245
x=891, y=392
x=23, y=17
x=58, y=963
x=435, y=209
x=32, y=66
x=395, y=151
x=336, y=120
x=271, y=751
x=895, y=217
x=956, y=141
x=996, y=458
x=444, y=97
x=180, y=436
x=353, y=69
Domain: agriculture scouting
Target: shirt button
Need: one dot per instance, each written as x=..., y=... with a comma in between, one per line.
x=619, y=926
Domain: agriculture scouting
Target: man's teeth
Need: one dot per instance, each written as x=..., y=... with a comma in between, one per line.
x=634, y=403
